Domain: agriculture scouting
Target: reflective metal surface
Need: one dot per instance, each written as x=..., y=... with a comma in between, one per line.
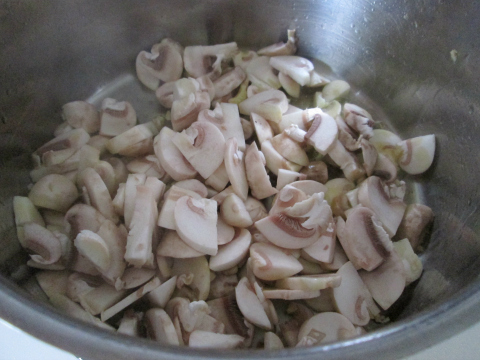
x=396, y=54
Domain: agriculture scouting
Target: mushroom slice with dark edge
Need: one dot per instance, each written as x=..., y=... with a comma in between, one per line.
x=196, y=223
x=172, y=245
x=171, y=158
x=234, y=161
x=298, y=68
x=234, y=212
x=233, y=253
x=365, y=242
x=163, y=64
x=387, y=282
x=270, y=104
x=281, y=48
x=347, y=161
x=370, y=155
x=315, y=209
x=257, y=176
x=272, y=263
x=388, y=211
x=80, y=114
x=418, y=154
x=309, y=282
x=206, y=339
x=385, y=169
x=352, y=298
x=250, y=305
x=198, y=60
x=322, y=133
x=203, y=145
x=44, y=245
x=116, y=117
x=324, y=328
x=415, y=223
x=160, y=327
x=358, y=119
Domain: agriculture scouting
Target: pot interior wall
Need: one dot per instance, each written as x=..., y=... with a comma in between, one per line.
x=397, y=55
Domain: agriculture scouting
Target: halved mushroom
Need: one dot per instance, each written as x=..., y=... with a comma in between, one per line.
x=196, y=221
x=171, y=158
x=163, y=64
x=415, y=223
x=270, y=104
x=160, y=326
x=234, y=161
x=201, y=60
x=257, y=177
x=228, y=82
x=203, y=145
x=234, y=212
x=45, y=247
x=275, y=161
x=386, y=283
x=80, y=114
x=233, y=253
x=54, y=191
x=272, y=263
x=173, y=246
x=281, y=48
x=418, y=154
x=335, y=90
x=185, y=110
x=290, y=149
x=261, y=74
x=323, y=133
x=324, y=328
x=250, y=305
x=116, y=117
x=358, y=119
x=206, y=339
x=389, y=211
x=298, y=68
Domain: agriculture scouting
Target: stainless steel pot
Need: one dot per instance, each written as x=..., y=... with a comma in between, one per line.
x=415, y=65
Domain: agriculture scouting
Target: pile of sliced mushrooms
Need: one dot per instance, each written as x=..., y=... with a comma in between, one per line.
x=225, y=228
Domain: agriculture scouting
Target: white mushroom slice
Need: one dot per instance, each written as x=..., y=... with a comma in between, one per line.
x=335, y=90
x=324, y=328
x=290, y=149
x=358, y=119
x=324, y=248
x=295, y=133
x=286, y=177
x=203, y=145
x=219, y=179
x=184, y=87
x=171, y=158
x=387, y=282
x=286, y=198
x=418, y=154
x=228, y=82
x=309, y=282
x=115, y=239
x=262, y=128
x=386, y=143
x=206, y=85
x=54, y=192
x=256, y=209
x=172, y=245
x=130, y=194
x=196, y=223
x=98, y=194
x=317, y=80
x=298, y=68
x=243, y=58
x=257, y=176
x=337, y=187
x=73, y=139
x=234, y=212
x=135, y=277
x=80, y=114
x=160, y=296
x=270, y=104
x=346, y=161
x=45, y=246
x=272, y=263
x=250, y=305
x=261, y=74
x=136, y=141
x=164, y=94
x=222, y=195
x=160, y=327
x=163, y=64
x=300, y=118
x=148, y=165
x=281, y=48
x=25, y=212
x=234, y=161
x=193, y=185
x=322, y=133
x=365, y=242
x=315, y=209
x=370, y=155
x=233, y=253
x=225, y=232
x=101, y=298
x=61, y=129
x=384, y=168
x=411, y=262
x=129, y=325
x=415, y=222
x=206, y=339
x=198, y=267
x=389, y=212
x=185, y=110
x=222, y=285
x=198, y=60
x=275, y=161
x=272, y=341
x=291, y=87
x=285, y=294
x=139, y=242
x=94, y=248
x=116, y=117
x=352, y=298
x=81, y=217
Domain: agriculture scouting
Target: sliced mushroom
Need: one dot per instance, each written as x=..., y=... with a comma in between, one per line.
x=389, y=212
x=199, y=60
x=54, y=191
x=270, y=104
x=116, y=117
x=136, y=141
x=272, y=341
x=411, y=262
x=290, y=149
x=173, y=246
x=335, y=90
x=25, y=212
x=206, y=339
x=384, y=168
x=309, y=282
x=83, y=217
x=185, y=110
x=115, y=239
x=323, y=133
x=271, y=263
x=325, y=328
x=386, y=143
x=160, y=296
x=73, y=139
x=261, y=74
x=418, y=154
x=315, y=210
x=369, y=154
x=130, y=323
x=324, y=248
x=286, y=294
x=257, y=177
x=250, y=305
x=358, y=119
x=171, y=158
x=298, y=68
x=160, y=326
x=299, y=118
x=281, y=48
x=286, y=198
x=243, y=58
x=256, y=209
x=234, y=212
x=219, y=179
x=286, y=177
x=164, y=94
x=346, y=161
x=415, y=223
x=80, y=114
x=45, y=247
x=235, y=165
x=262, y=128
x=290, y=86
x=94, y=248
x=233, y=253
x=222, y=195
x=200, y=271
x=228, y=82
x=275, y=161
x=203, y=145
x=148, y=165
